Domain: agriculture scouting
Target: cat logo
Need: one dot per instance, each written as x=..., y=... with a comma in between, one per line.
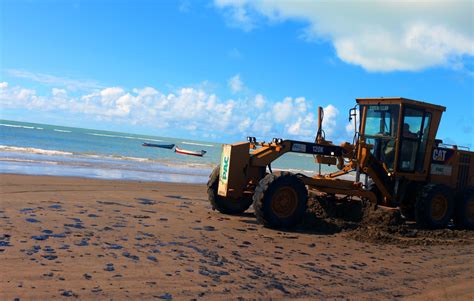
x=439, y=155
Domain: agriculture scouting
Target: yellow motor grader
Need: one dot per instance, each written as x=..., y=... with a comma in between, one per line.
x=395, y=160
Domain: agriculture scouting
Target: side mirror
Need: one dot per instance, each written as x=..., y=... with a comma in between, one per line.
x=352, y=113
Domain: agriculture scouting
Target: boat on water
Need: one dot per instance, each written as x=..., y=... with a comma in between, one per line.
x=189, y=152
x=167, y=146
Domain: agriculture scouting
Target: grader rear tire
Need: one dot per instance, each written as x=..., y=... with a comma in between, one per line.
x=464, y=216
x=434, y=206
x=225, y=205
x=280, y=201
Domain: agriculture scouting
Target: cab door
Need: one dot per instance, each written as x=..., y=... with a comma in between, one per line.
x=379, y=128
x=414, y=133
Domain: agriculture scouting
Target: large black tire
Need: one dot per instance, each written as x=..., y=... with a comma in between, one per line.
x=280, y=201
x=222, y=204
x=434, y=206
x=464, y=216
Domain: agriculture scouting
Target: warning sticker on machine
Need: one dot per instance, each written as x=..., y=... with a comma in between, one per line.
x=318, y=149
x=441, y=170
x=224, y=170
x=298, y=147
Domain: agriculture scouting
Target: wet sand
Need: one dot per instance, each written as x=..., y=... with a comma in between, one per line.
x=68, y=238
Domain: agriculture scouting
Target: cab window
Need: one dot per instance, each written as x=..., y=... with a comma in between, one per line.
x=414, y=136
x=381, y=127
x=424, y=140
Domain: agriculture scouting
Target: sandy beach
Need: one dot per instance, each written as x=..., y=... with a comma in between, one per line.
x=74, y=238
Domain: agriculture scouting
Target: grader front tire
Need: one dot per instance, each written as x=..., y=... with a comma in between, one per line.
x=222, y=204
x=280, y=201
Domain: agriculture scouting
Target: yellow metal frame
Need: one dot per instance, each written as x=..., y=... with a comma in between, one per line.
x=266, y=153
x=358, y=157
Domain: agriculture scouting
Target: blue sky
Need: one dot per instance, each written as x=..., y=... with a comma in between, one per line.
x=222, y=70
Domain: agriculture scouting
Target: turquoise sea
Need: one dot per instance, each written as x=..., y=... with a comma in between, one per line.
x=41, y=149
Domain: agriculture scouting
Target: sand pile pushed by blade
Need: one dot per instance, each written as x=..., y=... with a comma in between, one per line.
x=386, y=225
x=327, y=216
x=367, y=223
x=379, y=224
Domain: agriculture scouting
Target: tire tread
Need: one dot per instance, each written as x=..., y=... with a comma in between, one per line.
x=263, y=188
x=422, y=205
x=222, y=204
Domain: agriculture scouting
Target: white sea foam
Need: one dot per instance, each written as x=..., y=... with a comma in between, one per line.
x=39, y=128
x=124, y=158
x=147, y=139
x=294, y=170
x=102, y=161
x=62, y=131
x=124, y=137
x=194, y=143
x=32, y=150
x=28, y=161
x=39, y=151
x=17, y=126
x=104, y=135
x=11, y=125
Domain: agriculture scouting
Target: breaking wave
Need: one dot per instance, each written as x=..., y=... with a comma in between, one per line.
x=17, y=126
x=93, y=156
x=124, y=137
x=194, y=143
x=28, y=161
x=62, y=131
x=33, y=150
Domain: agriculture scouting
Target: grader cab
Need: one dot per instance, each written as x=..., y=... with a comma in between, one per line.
x=395, y=161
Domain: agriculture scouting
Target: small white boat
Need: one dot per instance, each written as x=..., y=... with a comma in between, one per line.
x=189, y=152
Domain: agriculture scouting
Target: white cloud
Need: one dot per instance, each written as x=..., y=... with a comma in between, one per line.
x=234, y=53
x=329, y=120
x=48, y=79
x=109, y=95
x=235, y=83
x=24, y=94
x=351, y=128
x=184, y=6
x=303, y=127
x=58, y=92
x=299, y=118
x=195, y=110
x=289, y=107
x=282, y=110
x=237, y=14
x=244, y=124
x=146, y=92
x=259, y=101
x=378, y=35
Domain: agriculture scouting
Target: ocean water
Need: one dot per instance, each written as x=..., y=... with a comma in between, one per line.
x=41, y=149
